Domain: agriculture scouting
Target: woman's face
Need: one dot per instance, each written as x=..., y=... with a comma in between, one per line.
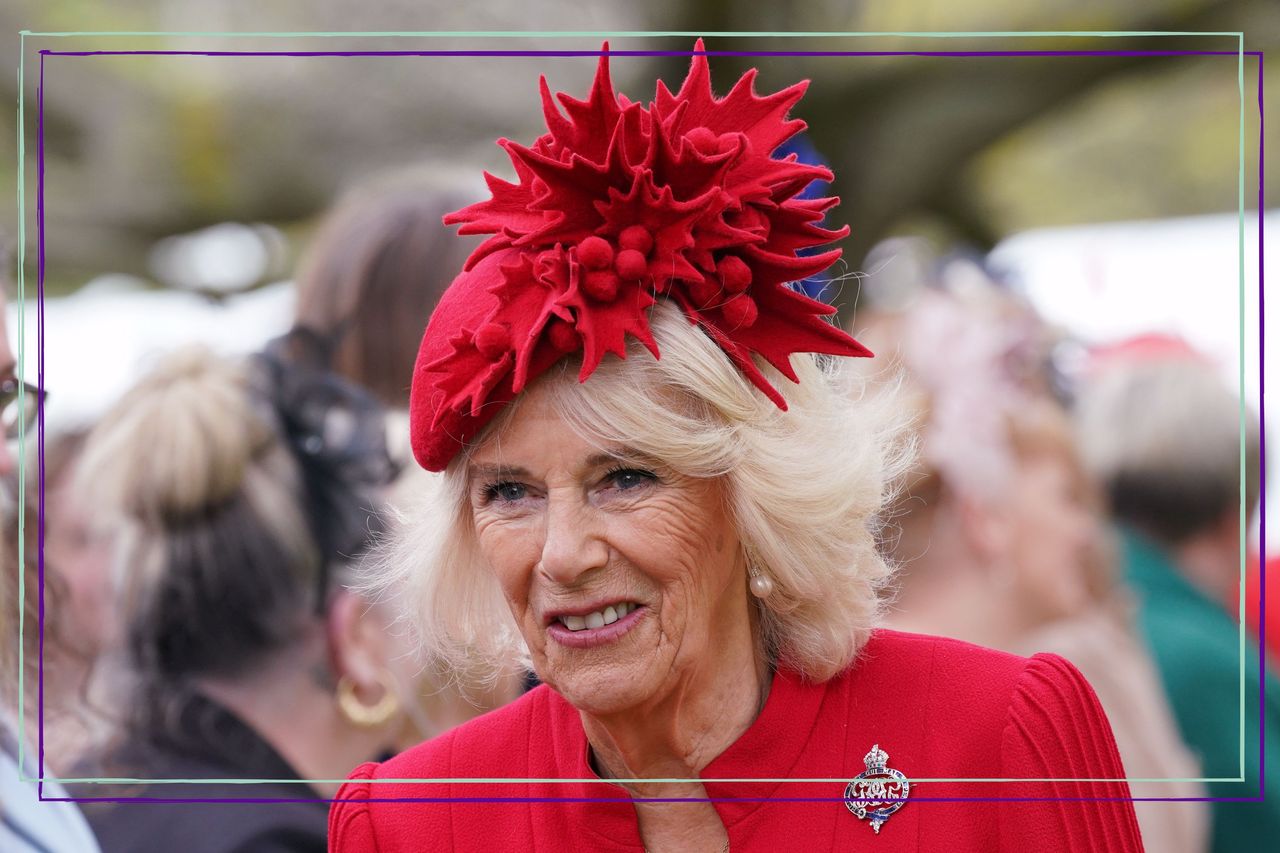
x=623, y=576
x=1053, y=532
x=82, y=558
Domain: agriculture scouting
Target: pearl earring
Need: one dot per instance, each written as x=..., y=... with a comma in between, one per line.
x=761, y=585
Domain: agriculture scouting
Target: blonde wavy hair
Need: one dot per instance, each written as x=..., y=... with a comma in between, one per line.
x=806, y=488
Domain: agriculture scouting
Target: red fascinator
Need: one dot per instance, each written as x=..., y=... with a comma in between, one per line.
x=619, y=204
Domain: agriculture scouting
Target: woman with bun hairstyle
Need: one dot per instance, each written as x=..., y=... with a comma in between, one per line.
x=239, y=492
x=370, y=277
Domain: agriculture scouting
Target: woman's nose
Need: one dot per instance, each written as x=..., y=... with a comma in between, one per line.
x=574, y=543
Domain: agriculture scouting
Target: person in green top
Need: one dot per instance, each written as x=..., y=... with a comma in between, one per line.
x=1163, y=434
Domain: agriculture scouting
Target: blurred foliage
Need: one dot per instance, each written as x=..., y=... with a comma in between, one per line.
x=970, y=149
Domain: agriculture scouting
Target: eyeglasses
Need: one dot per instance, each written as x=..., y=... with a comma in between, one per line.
x=19, y=404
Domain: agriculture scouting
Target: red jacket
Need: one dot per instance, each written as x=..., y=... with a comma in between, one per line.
x=939, y=708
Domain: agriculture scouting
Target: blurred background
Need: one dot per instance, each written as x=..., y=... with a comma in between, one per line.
x=1058, y=205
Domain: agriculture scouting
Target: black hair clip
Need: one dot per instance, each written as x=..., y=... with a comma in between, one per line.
x=326, y=417
x=337, y=431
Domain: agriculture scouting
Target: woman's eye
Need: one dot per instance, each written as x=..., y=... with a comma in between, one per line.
x=505, y=492
x=630, y=478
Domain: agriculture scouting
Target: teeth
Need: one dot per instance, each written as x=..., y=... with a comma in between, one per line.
x=600, y=618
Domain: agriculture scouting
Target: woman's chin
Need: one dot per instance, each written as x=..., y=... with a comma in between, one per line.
x=602, y=691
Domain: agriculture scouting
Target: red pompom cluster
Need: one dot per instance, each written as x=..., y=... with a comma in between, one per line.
x=617, y=205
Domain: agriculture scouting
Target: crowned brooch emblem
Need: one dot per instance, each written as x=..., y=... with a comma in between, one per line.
x=877, y=792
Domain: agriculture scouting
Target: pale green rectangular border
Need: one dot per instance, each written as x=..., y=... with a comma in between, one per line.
x=1238, y=35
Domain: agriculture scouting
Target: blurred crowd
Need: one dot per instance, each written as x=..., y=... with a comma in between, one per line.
x=192, y=604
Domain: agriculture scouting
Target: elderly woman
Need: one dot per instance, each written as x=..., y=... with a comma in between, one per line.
x=681, y=539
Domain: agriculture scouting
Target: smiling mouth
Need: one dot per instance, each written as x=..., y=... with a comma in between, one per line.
x=598, y=618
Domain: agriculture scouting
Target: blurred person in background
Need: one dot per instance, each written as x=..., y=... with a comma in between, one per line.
x=371, y=277
x=1162, y=431
x=241, y=490
x=78, y=569
x=998, y=537
x=992, y=516
x=1261, y=623
x=26, y=823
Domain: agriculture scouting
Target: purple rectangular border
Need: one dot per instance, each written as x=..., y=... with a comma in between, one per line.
x=1262, y=596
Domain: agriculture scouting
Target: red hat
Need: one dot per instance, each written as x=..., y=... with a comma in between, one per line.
x=617, y=205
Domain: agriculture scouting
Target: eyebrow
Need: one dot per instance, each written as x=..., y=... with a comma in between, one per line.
x=496, y=471
x=622, y=454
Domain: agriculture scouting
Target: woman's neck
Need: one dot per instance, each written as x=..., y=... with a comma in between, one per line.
x=291, y=711
x=681, y=732
x=677, y=736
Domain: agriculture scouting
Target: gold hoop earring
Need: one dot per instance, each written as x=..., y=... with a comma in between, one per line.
x=366, y=716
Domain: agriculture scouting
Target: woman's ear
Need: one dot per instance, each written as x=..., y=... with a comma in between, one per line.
x=366, y=696
x=357, y=642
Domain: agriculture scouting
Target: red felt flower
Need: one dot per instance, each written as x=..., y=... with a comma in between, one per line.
x=616, y=205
